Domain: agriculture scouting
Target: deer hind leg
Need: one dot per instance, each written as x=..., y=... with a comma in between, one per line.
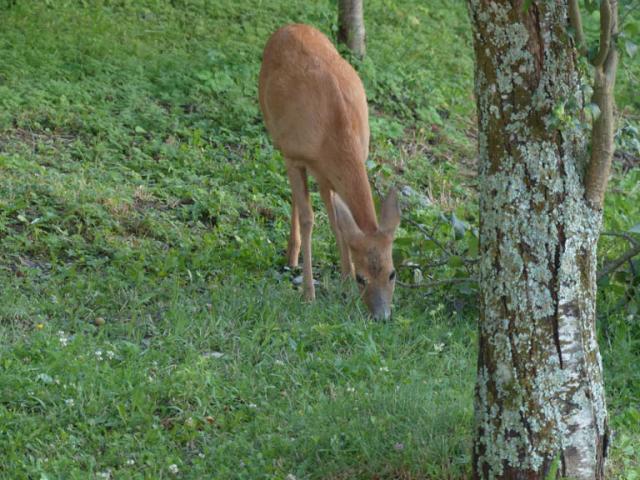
x=302, y=204
x=346, y=267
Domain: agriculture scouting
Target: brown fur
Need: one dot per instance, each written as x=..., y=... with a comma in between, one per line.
x=315, y=110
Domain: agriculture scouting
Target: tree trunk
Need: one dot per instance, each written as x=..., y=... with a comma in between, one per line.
x=351, y=26
x=540, y=401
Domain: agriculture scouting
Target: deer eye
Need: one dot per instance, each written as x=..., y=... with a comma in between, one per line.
x=360, y=279
x=392, y=276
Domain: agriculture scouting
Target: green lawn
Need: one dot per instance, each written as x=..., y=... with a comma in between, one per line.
x=148, y=327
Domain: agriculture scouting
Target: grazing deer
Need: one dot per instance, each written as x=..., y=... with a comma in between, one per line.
x=315, y=110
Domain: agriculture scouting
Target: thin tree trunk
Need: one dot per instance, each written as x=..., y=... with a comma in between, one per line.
x=540, y=401
x=351, y=26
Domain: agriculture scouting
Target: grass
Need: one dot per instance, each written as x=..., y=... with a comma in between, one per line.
x=148, y=328
x=247, y=384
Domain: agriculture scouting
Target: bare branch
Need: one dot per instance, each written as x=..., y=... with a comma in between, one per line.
x=439, y=263
x=630, y=8
x=428, y=236
x=617, y=263
x=611, y=61
x=626, y=236
x=576, y=22
x=605, y=33
x=436, y=283
x=602, y=145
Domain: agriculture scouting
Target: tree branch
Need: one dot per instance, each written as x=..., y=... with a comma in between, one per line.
x=576, y=22
x=602, y=146
x=428, y=236
x=605, y=33
x=439, y=263
x=611, y=60
x=617, y=263
x=630, y=8
x=436, y=283
x=626, y=236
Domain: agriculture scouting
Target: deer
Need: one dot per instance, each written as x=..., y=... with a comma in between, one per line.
x=315, y=110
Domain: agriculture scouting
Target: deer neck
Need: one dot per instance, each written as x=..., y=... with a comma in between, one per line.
x=357, y=196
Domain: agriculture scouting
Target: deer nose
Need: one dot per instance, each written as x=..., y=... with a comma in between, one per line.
x=381, y=311
x=378, y=303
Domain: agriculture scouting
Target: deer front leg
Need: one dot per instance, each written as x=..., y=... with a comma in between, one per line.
x=300, y=190
x=293, y=247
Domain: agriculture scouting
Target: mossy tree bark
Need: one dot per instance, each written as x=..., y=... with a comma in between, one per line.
x=351, y=26
x=540, y=401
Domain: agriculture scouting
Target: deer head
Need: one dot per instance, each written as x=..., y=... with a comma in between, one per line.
x=372, y=254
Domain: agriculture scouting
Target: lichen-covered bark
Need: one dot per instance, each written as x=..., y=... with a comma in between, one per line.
x=539, y=393
x=351, y=30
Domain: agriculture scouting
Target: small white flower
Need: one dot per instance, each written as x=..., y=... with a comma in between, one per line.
x=436, y=310
x=106, y=474
x=131, y=461
x=69, y=402
x=351, y=389
x=111, y=355
x=201, y=455
x=252, y=405
x=384, y=369
x=44, y=378
x=213, y=354
x=173, y=468
x=291, y=476
x=64, y=340
x=438, y=347
x=98, y=354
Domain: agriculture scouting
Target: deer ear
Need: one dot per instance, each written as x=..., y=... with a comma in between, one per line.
x=347, y=225
x=390, y=212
